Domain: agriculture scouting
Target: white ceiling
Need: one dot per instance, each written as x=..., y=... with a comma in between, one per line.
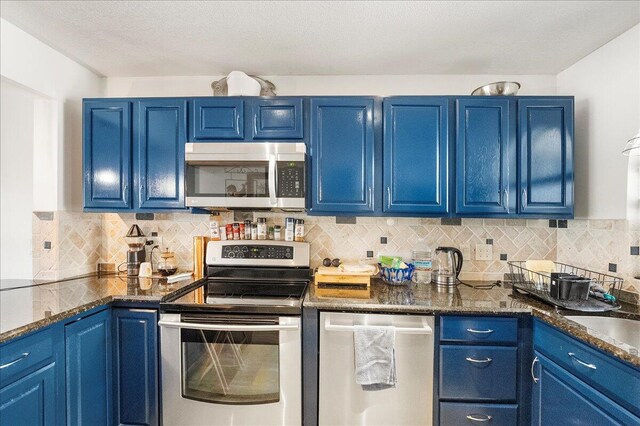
x=154, y=38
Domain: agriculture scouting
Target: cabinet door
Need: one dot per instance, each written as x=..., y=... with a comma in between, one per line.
x=546, y=156
x=135, y=356
x=159, y=153
x=342, y=155
x=107, y=154
x=88, y=370
x=415, y=153
x=485, y=155
x=217, y=118
x=561, y=398
x=277, y=118
x=31, y=400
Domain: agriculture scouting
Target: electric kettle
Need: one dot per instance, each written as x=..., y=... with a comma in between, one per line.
x=446, y=266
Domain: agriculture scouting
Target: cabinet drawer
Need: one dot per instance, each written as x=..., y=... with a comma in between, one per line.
x=612, y=377
x=478, y=372
x=455, y=413
x=479, y=329
x=19, y=356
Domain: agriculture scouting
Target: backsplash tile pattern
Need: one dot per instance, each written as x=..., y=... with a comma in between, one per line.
x=76, y=244
x=81, y=240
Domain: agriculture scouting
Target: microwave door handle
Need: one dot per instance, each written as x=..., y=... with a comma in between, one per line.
x=272, y=180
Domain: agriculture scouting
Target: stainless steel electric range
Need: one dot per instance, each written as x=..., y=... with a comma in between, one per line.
x=231, y=349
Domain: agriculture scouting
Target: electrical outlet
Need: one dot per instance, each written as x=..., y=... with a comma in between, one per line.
x=484, y=252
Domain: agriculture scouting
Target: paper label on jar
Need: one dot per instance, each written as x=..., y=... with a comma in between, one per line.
x=422, y=264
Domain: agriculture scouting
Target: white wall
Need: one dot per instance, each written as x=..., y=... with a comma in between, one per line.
x=606, y=85
x=16, y=181
x=34, y=65
x=300, y=85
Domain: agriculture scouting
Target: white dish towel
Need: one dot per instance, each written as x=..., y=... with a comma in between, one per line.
x=375, y=357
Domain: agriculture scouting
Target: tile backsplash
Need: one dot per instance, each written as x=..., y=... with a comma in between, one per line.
x=80, y=240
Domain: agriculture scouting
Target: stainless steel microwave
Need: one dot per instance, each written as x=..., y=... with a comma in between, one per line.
x=246, y=175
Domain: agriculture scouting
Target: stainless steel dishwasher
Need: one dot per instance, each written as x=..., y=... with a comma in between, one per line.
x=343, y=402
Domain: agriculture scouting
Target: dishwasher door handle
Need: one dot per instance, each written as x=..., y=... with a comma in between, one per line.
x=425, y=329
x=227, y=327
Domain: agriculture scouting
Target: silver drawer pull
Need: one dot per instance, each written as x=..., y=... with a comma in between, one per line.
x=576, y=359
x=20, y=358
x=478, y=361
x=471, y=330
x=477, y=418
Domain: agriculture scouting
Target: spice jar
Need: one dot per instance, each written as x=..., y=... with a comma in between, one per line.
x=254, y=231
x=242, y=232
x=289, y=229
x=299, y=231
x=262, y=228
x=277, y=233
x=236, y=231
x=247, y=229
x=270, y=233
x=229, y=230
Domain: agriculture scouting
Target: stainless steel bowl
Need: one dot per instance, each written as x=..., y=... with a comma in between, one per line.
x=499, y=88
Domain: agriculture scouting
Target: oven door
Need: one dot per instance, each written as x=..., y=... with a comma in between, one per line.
x=237, y=175
x=230, y=370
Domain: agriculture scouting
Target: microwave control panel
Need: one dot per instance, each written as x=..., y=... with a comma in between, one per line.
x=291, y=179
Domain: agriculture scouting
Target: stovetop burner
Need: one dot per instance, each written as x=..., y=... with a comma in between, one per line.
x=273, y=285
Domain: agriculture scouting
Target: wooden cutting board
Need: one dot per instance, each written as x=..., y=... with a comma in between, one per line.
x=333, y=275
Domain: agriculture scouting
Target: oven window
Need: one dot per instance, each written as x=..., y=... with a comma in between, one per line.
x=228, y=179
x=239, y=367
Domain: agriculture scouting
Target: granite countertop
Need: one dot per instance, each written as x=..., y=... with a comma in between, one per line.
x=27, y=305
x=426, y=299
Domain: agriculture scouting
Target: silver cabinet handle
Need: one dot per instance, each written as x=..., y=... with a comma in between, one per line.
x=479, y=361
x=370, y=203
x=388, y=197
x=576, y=359
x=524, y=198
x=476, y=418
x=471, y=330
x=20, y=358
x=533, y=365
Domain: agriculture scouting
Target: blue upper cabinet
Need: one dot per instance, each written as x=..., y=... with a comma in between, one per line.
x=217, y=118
x=107, y=154
x=485, y=157
x=343, y=155
x=275, y=119
x=88, y=370
x=159, y=153
x=416, y=155
x=546, y=156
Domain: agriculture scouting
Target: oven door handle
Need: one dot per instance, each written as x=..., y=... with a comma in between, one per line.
x=228, y=327
x=272, y=180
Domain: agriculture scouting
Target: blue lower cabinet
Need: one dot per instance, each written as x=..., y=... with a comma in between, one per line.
x=135, y=363
x=559, y=398
x=483, y=373
x=546, y=156
x=31, y=400
x=344, y=155
x=416, y=155
x=457, y=413
x=88, y=370
x=161, y=135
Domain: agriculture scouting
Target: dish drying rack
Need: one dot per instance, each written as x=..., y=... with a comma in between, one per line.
x=538, y=284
